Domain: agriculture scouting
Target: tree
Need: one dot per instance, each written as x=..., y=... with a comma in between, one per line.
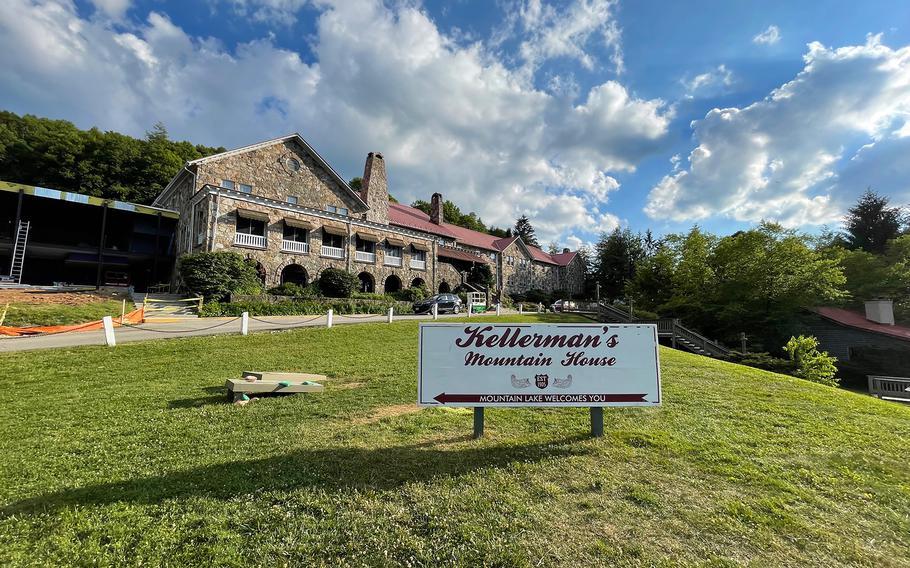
x=452, y=214
x=356, y=183
x=616, y=256
x=216, y=275
x=871, y=223
x=553, y=247
x=524, y=230
x=652, y=285
x=812, y=364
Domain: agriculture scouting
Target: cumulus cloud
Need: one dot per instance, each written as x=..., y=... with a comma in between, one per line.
x=449, y=117
x=112, y=8
x=788, y=156
x=710, y=82
x=768, y=37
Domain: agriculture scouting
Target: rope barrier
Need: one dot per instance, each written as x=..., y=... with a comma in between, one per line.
x=290, y=324
x=180, y=330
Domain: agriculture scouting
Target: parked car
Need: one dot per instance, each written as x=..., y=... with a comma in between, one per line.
x=563, y=305
x=444, y=303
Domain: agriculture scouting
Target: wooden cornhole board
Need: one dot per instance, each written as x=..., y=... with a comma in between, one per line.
x=270, y=383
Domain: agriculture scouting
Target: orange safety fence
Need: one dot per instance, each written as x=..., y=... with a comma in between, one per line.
x=133, y=317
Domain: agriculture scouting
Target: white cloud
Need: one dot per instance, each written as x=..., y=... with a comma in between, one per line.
x=112, y=8
x=547, y=33
x=710, y=82
x=448, y=117
x=768, y=37
x=781, y=157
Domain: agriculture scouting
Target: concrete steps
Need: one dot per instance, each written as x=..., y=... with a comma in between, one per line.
x=163, y=308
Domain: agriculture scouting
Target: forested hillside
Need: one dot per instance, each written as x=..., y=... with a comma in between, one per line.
x=56, y=154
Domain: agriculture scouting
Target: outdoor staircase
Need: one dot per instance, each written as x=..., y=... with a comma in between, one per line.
x=167, y=307
x=15, y=270
x=679, y=335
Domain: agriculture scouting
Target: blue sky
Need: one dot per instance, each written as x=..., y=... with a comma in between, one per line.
x=583, y=114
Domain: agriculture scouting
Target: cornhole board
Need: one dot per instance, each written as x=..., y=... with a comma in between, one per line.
x=270, y=383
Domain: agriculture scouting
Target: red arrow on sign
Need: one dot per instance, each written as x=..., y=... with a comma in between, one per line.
x=444, y=398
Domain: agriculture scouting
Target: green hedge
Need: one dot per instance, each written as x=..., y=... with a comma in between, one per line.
x=303, y=307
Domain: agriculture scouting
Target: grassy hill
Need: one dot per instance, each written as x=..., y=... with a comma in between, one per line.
x=128, y=455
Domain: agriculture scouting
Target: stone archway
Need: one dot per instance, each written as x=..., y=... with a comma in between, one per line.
x=418, y=283
x=392, y=284
x=294, y=274
x=367, y=282
x=444, y=287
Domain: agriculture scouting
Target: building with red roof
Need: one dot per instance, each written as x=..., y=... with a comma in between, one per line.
x=280, y=204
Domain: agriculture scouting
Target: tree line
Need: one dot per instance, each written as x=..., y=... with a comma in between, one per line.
x=56, y=154
x=757, y=281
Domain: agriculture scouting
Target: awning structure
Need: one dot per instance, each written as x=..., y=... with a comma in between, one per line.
x=395, y=242
x=250, y=214
x=340, y=231
x=421, y=246
x=299, y=223
x=455, y=254
x=86, y=199
x=367, y=237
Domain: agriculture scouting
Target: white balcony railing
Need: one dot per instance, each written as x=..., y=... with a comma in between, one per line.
x=247, y=240
x=392, y=260
x=418, y=264
x=295, y=246
x=331, y=252
x=363, y=256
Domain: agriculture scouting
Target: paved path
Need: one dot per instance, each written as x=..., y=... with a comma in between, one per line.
x=196, y=327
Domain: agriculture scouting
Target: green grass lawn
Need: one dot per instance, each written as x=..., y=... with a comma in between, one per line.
x=129, y=456
x=29, y=315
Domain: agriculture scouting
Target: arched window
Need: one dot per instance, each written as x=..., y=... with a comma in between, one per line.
x=392, y=284
x=367, y=282
x=295, y=274
x=444, y=287
x=418, y=283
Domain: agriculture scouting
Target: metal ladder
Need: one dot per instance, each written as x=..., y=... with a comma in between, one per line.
x=15, y=270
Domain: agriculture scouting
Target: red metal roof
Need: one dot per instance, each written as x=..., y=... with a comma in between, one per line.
x=859, y=321
x=446, y=252
x=413, y=218
x=563, y=258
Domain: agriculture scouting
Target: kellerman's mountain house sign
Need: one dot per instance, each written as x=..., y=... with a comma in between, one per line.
x=591, y=365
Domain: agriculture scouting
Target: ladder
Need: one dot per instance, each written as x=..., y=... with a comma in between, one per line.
x=15, y=270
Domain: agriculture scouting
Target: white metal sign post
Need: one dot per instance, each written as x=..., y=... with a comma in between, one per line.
x=546, y=365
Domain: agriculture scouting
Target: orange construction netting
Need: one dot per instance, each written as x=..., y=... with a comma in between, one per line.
x=133, y=317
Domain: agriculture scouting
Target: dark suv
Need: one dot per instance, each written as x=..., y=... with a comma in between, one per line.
x=444, y=302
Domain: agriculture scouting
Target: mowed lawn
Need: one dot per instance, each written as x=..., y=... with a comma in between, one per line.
x=129, y=456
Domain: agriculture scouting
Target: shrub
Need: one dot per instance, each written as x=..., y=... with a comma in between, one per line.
x=289, y=289
x=215, y=275
x=335, y=283
x=410, y=294
x=303, y=307
x=537, y=296
x=811, y=364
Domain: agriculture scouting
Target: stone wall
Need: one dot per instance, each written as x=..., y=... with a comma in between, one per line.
x=270, y=172
x=572, y=276
x=520, y=273
x=274, y=260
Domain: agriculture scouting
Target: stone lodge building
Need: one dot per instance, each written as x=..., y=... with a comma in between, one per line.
x=281, y=204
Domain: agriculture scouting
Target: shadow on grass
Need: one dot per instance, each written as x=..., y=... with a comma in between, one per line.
x=216, y=395
x=329, y=469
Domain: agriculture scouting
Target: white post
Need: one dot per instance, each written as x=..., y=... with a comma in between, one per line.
x=539, y=306
x=391, y=311
x=108, y=323
x=470, y=308
x=328, y=318
x=435, y=311
x=245, y=323
x=122, y=311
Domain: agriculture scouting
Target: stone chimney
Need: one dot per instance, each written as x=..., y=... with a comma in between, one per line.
x=880, y=311
x=376, y=189
x=436, y=214
x=566, y=251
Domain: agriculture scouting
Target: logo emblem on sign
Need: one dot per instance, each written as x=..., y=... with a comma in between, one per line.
x=541, y=381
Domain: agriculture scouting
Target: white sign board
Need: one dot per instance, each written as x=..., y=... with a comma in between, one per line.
x=486, y=364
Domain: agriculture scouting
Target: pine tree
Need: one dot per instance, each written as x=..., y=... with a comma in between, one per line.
x=871, y=223
x=524, y=230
